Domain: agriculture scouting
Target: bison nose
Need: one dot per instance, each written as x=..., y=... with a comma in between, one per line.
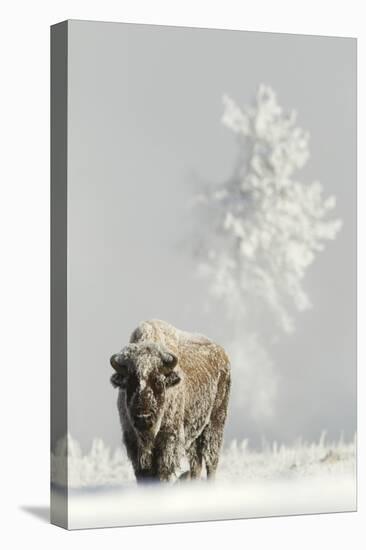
x=143, y=421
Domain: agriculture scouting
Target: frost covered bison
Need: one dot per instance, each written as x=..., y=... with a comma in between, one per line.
x=172, y=401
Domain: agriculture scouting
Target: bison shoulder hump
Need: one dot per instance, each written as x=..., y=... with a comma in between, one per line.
x=157, y=331
x=144, y=331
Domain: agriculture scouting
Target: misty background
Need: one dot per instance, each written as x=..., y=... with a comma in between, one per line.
x=144, y=112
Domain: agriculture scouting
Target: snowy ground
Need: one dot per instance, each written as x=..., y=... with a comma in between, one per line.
x=277, y=480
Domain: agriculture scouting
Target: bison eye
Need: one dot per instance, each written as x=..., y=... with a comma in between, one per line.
x=132, y=382
x=159, y=385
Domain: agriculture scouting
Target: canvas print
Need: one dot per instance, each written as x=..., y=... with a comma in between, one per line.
x=203, y=263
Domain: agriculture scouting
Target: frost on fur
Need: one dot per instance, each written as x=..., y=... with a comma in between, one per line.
x=172, y=401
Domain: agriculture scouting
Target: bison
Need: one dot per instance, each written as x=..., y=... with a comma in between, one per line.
x=172, y=401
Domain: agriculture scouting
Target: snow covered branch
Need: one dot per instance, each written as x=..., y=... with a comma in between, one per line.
x=265, y=228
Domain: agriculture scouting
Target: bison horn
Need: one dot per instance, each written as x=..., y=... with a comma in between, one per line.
x=118, y=362
x=169, y=361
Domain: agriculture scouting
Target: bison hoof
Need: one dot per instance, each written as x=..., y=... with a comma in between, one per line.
x=184, y=476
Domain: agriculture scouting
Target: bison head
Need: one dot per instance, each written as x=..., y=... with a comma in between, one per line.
x=144, y=371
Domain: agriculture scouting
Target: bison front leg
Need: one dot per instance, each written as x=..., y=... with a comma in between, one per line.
x=140, y=457
x=167, y=456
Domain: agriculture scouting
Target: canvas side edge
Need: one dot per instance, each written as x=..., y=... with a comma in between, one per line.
x=59, y=111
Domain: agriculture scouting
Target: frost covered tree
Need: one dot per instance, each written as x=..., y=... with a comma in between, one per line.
x=97, y=468
x=263, y=227
x=101, y=468
x=260, y=231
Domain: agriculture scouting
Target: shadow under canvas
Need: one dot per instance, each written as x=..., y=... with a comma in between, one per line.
x=40, y=512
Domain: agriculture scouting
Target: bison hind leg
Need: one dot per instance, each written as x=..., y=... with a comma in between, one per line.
x=212, y=435
x=195, y=458
x=211, y=441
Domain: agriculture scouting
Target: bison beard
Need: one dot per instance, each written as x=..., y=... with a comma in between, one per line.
x=172, y=400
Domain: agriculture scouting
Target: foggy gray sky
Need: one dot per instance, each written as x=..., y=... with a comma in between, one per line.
x=145, y=104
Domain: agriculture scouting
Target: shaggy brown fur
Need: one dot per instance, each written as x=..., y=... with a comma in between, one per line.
x=173, y=396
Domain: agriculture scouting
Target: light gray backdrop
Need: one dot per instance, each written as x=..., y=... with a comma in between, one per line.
x=144, y=121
